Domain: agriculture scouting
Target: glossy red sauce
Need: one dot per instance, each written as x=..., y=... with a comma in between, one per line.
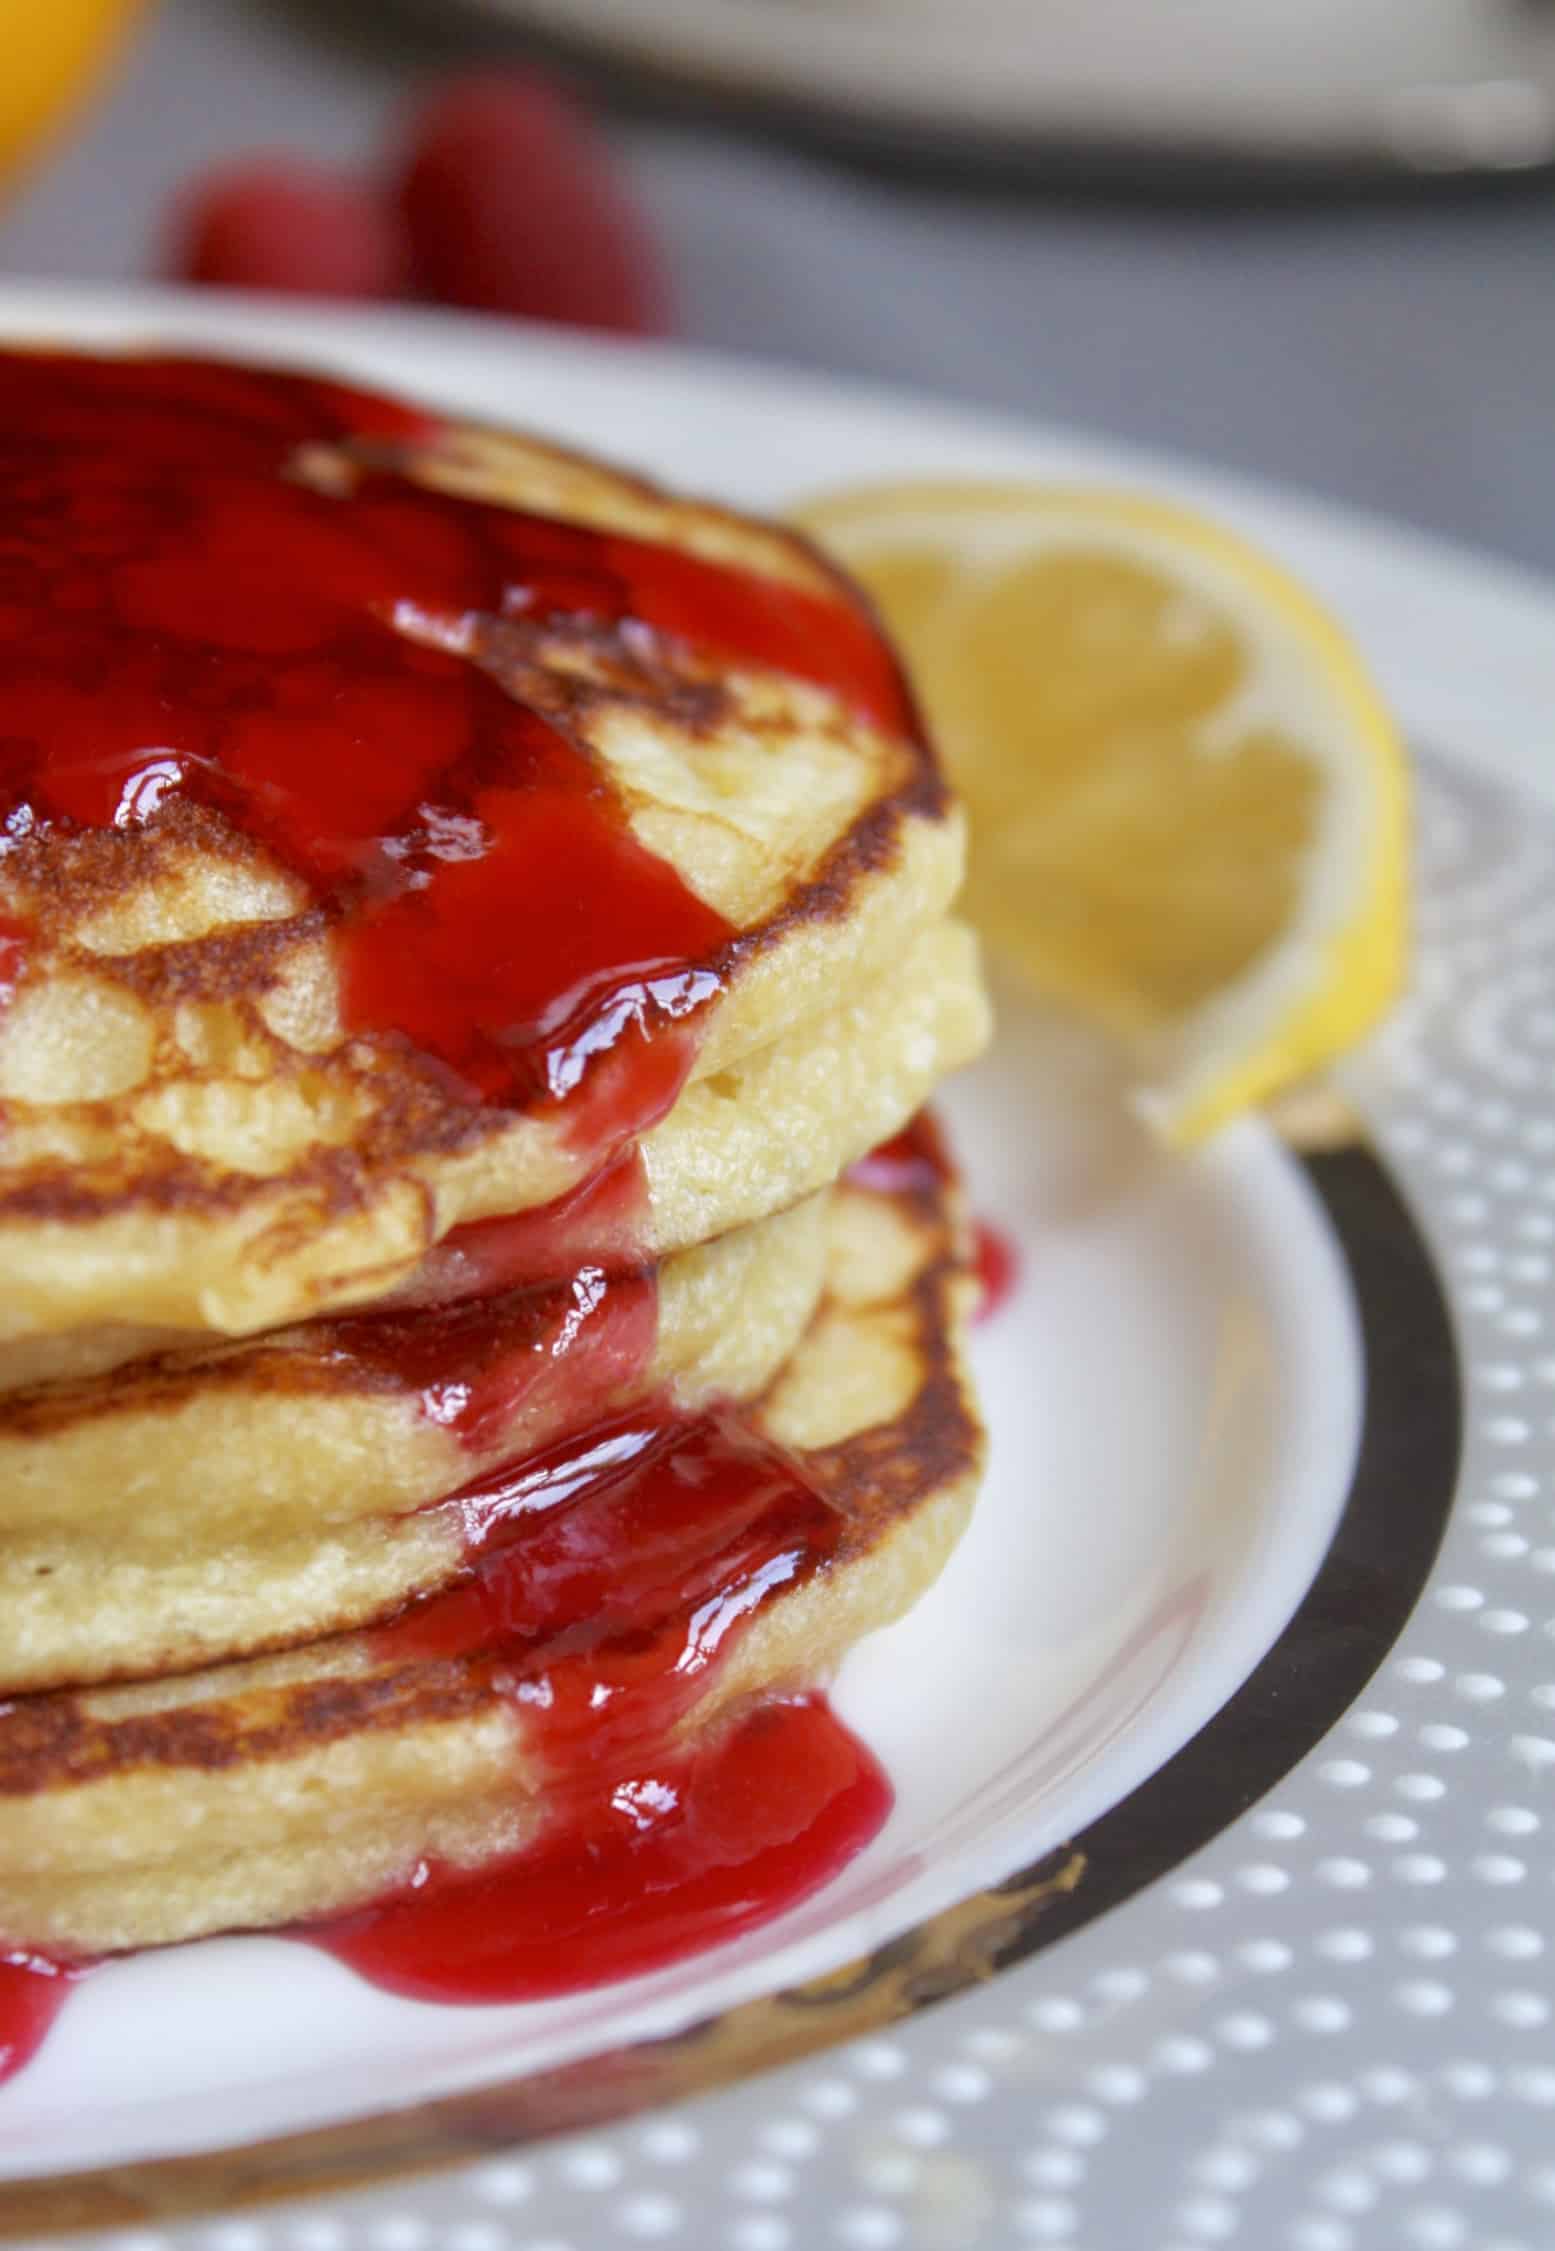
x=559, y=1351
x=180, y=618
x=678, y=1854
x=997, y=1266
x=33, y=1990
x=597, y=1223
x=606, y=1578
x=913, y=1162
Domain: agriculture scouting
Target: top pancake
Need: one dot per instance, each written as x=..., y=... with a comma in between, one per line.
x=222, y=1111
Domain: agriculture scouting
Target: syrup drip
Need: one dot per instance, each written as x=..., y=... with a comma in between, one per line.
x=996, y=1263
x=683, y=1853
x=915, y=1161
x=474, y=1366
x=606, y=1577
x=182, y=620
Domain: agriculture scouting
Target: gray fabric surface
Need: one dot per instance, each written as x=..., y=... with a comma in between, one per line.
x=1399, y=356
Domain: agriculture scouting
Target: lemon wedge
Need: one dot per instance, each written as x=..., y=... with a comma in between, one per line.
x=1189, y=807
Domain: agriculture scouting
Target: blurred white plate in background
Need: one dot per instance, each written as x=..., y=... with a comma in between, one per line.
x=1422, y=86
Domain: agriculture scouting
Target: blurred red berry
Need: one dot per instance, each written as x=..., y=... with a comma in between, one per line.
x=279, y=222
x=512, y=205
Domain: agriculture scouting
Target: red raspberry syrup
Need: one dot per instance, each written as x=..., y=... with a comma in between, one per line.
x=606, y=1581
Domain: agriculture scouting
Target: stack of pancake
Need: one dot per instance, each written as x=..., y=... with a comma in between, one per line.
x=466, y=918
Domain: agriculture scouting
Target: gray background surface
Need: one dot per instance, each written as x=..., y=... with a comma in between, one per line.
x=1398, y=354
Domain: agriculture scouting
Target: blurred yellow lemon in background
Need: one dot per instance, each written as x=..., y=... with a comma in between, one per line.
x=50, y=52
x=1188, y=805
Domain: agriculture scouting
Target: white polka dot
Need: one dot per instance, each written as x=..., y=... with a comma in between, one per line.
x=650, y=2216
x=1508, y=1430
x=1435, y=2228
x=1208, y=2217
x=1266, y=1955
x=1524, y=2012
x=398, y=2231
x=1420, y=1671
x=762, y=2182
x=1515, y=1484
x=1458, y=1598
x=1045, y=2219
x=1498, y=1868
x=1404, y=2163
x=1436, y=1735
x=1480, y=1688
x=1512, y=1820
x=1482, y=2164
x=1428, y=1942
x=236, y=2235
x=1272, y=1822
x=1419, y=1868
x=878, y=2059
x=1348, y=2190
x=868, y=2227
x=1343, y=1873
x=1181, y=2053
x=761, y=2231
x=669, y=2141
x=1345, y=1774
x=1120, y=1985
x=1245, y=2031
x=1322, y=2012
x=1117, y=2082
x=1505, y=1622
x=1502, y=1547
x=1197, y=1893
x=1422, y=1788
x=1275, y=2129
x=591, y=2165
x=1488, y=1513
x=1391, y=1828
x=1424, y=1997
x=1534, y=2085
x=1193, y=1969
x=1329, y=2103
x=962, y=2082
x=317, y=2234
x=921, y=2128
x=994, y=2043
x=1515, y=1942
x=1386, y=2084
x=1471, y=2082
x=1053, y=2013
x=1054, y=2168
x=503, y=2183
x=1232, y=2170
x=829, y=2098
x=1076, y=2123
x=790, y=2137
x=1313, y=2234
x=1347, y=1945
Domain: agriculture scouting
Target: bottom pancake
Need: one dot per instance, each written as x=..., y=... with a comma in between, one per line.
x=644, y=1588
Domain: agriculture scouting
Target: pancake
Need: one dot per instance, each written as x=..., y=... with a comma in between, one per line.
x=397, y=818
x=187, y=1509
x=301, y=1784
x=738, y=1145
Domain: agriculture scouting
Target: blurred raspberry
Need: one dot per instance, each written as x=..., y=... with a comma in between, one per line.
x=279, y=222
x=512, y=205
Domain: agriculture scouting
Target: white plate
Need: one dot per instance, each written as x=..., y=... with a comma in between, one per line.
x=1410, y=85
x=1174, y=1399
